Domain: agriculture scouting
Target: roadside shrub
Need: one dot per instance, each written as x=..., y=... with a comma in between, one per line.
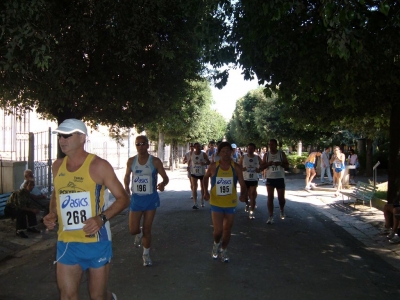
x=295, y=160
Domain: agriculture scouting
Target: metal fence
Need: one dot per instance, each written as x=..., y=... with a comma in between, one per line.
x=39, y=149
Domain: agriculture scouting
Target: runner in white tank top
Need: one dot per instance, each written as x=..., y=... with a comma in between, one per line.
x=250, y=163
x=198, y=162
x=275, y=161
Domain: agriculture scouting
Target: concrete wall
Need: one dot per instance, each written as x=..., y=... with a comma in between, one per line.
x=11, y=175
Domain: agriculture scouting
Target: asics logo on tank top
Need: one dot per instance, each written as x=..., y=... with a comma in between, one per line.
x=141, y=180
x=138, y=171
x=223, y=181
x=250, y=160
x=71, y=202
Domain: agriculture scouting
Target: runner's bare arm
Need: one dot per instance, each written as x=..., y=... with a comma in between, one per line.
x=127, y=177
x=210, y=172
x=50, y=220
x=206, y=159
x=285, y=162
x=243, y=188
x=103, y=173
x=160, y=169
x=241, y=163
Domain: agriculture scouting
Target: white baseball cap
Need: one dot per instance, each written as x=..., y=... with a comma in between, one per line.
x=70, y=126
x=233, y=146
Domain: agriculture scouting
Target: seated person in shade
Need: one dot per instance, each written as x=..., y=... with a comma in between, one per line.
x=19, y=207
x=39, y=200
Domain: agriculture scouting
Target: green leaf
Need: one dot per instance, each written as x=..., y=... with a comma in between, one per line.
x=384, y=8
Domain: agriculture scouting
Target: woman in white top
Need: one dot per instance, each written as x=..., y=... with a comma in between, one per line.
x=353, y=159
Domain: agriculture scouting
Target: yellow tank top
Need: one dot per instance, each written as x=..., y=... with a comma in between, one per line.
x=78, y=199
x=223, y=187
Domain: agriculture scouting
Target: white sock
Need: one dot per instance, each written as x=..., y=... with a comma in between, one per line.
x=146, y=251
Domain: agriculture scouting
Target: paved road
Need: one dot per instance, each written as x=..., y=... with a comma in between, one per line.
x=323, y=249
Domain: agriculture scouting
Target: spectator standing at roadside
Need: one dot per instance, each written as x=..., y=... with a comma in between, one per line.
x=78, y=204
x=353, y=161
x=325, y=165
x=224, y=175
x=144, y=197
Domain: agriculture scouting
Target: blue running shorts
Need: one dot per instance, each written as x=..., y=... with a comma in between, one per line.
x=224, y=210
x=145, y=202
x=309, y=165
x=87, y=255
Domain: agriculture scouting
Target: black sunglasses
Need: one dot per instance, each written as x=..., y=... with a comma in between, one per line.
x=140, y=144
x=65, y=136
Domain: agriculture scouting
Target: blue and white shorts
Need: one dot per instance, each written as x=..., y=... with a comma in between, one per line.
x=87, y=255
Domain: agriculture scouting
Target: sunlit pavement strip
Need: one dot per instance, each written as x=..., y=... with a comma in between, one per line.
x=355, y=222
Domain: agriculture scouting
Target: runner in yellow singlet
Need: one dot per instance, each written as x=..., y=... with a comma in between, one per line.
x=78, y=203
x=224, y=175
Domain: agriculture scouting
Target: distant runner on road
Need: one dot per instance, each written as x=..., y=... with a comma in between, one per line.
x=275, y=161
x=250, y=164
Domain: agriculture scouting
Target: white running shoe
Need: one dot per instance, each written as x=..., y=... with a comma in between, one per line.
x=147, y=260
x=395, y=239
x=216, y=250
x=391, y=234
x=224, y=256
x=138, y=239
x=251, y=215
x=307, y=188
x=282, y=214
x=270, y=220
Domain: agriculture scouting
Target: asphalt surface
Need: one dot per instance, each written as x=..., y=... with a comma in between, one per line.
x=322, y=249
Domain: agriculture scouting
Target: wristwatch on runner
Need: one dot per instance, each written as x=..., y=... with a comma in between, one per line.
x=103, y=218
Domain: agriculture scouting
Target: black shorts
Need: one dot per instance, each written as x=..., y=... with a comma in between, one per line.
x=197, y=177
x=278, y=183
x=251, y=183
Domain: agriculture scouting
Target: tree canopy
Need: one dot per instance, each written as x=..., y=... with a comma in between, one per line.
x=191, y=119
x=340, y=54
x=108, y=62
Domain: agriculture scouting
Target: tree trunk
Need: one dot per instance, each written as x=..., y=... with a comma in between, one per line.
x=394, y=147
x=368, y=162
x=160, y=152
